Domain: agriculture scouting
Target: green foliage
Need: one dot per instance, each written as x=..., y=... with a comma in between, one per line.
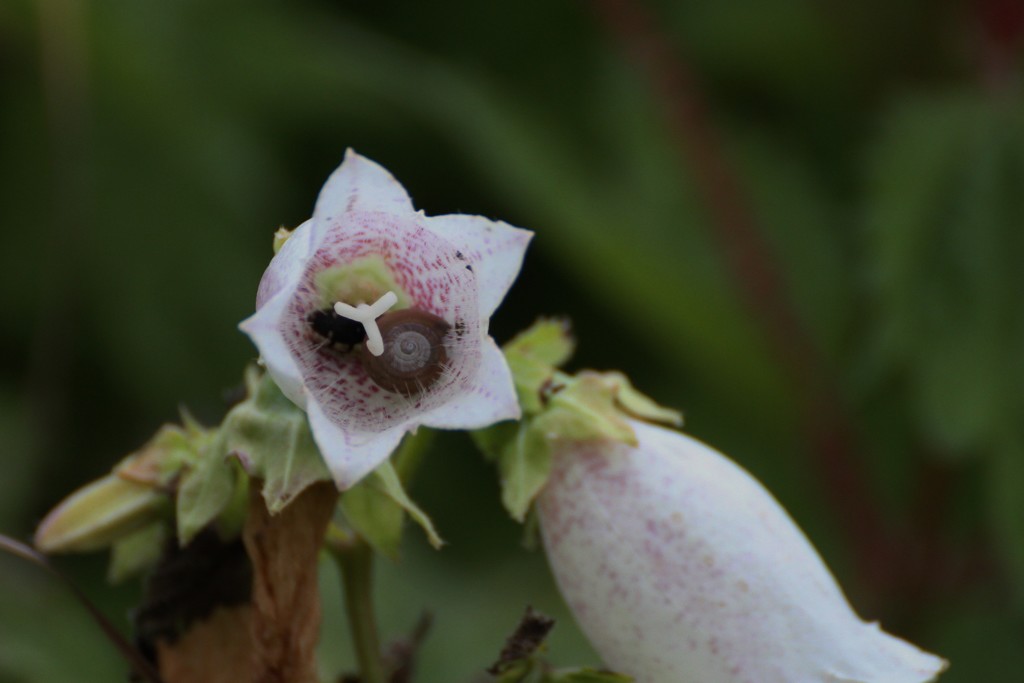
x=945, y=207
x=270, y=436
x=533, y=356
x=376, y=508
x=132, y=555
x=557, y=406
x=206, y=489
x=944, y=213
x=524, y=461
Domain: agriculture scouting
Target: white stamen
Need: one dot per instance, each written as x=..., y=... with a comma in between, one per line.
x=367, y=316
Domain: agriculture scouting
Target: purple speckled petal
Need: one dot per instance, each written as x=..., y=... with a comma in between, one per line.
x=359, y=185
x=490, y=398
x=492, y=249
x=287, y=266
x=350, y=455
x=680, y=566
x=457, y=267
x=428, y=271
x=263, y=327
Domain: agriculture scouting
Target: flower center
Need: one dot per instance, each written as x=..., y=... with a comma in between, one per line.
x=366, y=315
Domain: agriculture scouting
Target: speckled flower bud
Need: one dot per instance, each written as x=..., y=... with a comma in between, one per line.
x=680, y=566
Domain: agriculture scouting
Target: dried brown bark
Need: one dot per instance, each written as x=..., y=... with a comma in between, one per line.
x=285, y=610
x=215, y=650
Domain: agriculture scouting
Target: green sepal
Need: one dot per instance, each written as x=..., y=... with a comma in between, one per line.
x=270, y=435
x=586, y=408
x=99, y=514
x=137, y=552
x=524, y=465
x=161, y=460
x=530, y=538
x=548, y=341
x=206, y=489
x=281, y=235
x=375, y=509
x=558, y=406
x=533, y=357
x=598, y=405
x=640, y=405
x=374, y=515
x=523, y=456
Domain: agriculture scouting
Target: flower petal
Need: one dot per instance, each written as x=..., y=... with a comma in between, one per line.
x=493, y=250
x=359, y=185
x=286, y=267
x=263, y=327
x=350, y=454
x=489, y=398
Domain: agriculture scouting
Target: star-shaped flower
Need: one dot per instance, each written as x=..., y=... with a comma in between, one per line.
x=373, y=318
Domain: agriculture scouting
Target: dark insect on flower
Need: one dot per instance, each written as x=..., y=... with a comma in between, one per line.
x=338, y=330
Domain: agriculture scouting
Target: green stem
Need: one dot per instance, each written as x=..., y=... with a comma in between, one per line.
x=355, y=558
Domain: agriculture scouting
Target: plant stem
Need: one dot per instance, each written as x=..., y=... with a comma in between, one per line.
x=355, y=558
x=283, y=549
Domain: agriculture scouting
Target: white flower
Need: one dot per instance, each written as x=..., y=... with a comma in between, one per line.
x=373, y=318
x=680, y=567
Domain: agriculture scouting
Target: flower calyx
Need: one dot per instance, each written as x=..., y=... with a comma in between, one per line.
x=558, y=406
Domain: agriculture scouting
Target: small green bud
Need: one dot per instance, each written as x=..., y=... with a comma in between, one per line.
x=136, y=493
x=280, y=237
x=100, y=514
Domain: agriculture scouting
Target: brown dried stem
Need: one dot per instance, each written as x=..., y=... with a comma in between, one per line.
x=283, y=549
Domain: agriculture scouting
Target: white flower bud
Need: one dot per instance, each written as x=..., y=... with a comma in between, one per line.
x=680, y=567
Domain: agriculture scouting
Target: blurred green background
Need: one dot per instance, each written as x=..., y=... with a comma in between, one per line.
x=801, y=221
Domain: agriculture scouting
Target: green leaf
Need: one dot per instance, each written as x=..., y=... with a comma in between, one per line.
x=376, y=507
x=548, y=341
x=533, y=356
x=524, y=464
x=134, y=554
x=271, y=437
x=392, y=486
x=374, y=515
x=206, y=490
